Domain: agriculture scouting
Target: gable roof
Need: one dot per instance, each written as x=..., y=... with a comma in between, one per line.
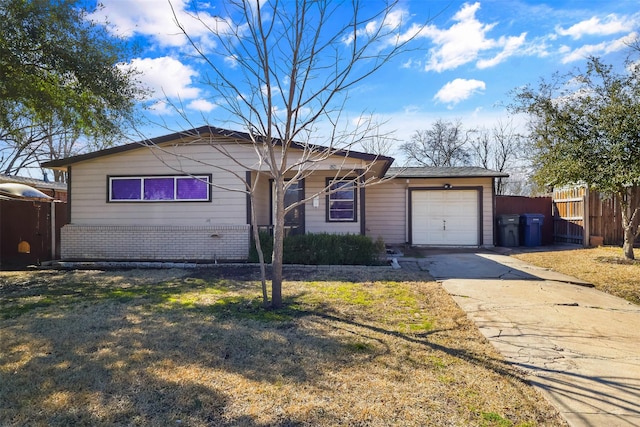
x=200, y=131
x=445, y=172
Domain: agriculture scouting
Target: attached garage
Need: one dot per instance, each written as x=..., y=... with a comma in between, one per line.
x=434, y=206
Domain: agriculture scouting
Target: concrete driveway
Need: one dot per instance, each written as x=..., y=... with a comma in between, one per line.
x=579, y=346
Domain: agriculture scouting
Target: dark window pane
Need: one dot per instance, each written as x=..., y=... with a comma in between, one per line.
x=341, y=210
x=192, y=189
x=341, y=184
x=342, y=195
x=158, y=189
x=292, y=194
x=345, y=191
x=341, y=205
x=125, y=189
x=342, y=202
x=341, y=214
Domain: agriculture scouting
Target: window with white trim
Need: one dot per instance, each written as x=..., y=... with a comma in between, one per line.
x=159, y=188
x=341, y=201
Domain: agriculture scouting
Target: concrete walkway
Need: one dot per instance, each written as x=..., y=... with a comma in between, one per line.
x=579, y=346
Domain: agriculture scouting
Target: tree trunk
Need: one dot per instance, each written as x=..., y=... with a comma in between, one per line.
x=629, y=204
x=627, y=246
x=256, y=238
x=278, y=244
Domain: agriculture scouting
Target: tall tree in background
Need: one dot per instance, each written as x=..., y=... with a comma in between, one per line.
x=287, y=70
x=58, y=71
x=448, y=144
x=498, y=149
x=445, y=144
x=586, y=129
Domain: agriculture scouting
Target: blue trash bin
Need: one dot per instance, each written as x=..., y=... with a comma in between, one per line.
x=531, y=229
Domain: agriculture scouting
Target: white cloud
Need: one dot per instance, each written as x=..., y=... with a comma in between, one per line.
x=166, y=77
x=460, y=43
x=231, y=61
x=157, y=20
x=466, y=40
x=611, y=24
x=459, y=90
x=596, y=49
x=201, y=105
x=161, y=108
x=272, y=90
x=511, y=46
x=388, y=28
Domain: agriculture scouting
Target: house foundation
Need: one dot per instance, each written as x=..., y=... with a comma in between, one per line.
x=155, y=243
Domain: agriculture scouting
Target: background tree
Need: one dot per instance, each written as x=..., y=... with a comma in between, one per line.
x=288, y=69
x=499, y=149
x=586, y=129
x=445, y=144
x=58, y=71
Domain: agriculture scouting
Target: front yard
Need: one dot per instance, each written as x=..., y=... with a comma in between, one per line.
x=194, y=348
x=605, y=267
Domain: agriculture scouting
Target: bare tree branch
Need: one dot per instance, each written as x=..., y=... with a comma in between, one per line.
x=289, y=67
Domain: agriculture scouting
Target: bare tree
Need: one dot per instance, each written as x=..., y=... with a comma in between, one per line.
x=288, y=69
x=445, y=144
x=32, y=141
x=499, y=149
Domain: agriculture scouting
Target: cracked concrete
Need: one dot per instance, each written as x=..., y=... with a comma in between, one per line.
x=577, y=345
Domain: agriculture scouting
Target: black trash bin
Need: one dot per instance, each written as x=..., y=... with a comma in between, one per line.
x=508, y=230
x=531, y=227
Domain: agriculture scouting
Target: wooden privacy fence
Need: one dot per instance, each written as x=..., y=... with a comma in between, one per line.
x=586, y=217
x=570, y=218
x=30, y=232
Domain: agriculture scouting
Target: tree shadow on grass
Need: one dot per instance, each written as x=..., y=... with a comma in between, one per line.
x=149, y=354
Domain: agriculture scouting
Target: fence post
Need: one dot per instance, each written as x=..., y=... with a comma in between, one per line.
x=52, y=225
x=586, y=235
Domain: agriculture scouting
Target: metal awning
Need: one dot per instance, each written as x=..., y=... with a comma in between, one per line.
x=22, y=192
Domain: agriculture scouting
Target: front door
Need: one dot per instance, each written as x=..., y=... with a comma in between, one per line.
x=293, y=219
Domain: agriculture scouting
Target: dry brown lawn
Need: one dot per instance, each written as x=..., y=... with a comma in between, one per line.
x=194, y=348
x=604, y=267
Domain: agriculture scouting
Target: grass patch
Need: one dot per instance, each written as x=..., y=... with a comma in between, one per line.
x=198, y=349
x=493, y=419
x=604, y=267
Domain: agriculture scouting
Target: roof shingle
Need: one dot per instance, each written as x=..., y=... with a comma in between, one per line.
x=444, y=172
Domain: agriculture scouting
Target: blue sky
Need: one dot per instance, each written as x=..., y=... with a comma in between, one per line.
x=471, y=54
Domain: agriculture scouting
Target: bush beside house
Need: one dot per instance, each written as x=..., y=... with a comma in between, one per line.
x=323, y=249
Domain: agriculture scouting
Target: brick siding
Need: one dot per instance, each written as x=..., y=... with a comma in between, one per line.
x=157, y=243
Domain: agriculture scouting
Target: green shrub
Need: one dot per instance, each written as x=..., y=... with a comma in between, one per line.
x=324, y=249
x=266, y=243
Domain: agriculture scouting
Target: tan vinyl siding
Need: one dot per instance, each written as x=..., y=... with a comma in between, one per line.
x=89, y=188
x=315, y=218
x=387, y=210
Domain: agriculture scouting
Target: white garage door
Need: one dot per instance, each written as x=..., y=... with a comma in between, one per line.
x=441, y=217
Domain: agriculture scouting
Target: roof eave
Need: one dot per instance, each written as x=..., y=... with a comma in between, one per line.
x=63, y=164
x=402, y=176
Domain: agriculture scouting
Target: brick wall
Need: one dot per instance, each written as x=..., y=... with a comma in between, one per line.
x=145, y=243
